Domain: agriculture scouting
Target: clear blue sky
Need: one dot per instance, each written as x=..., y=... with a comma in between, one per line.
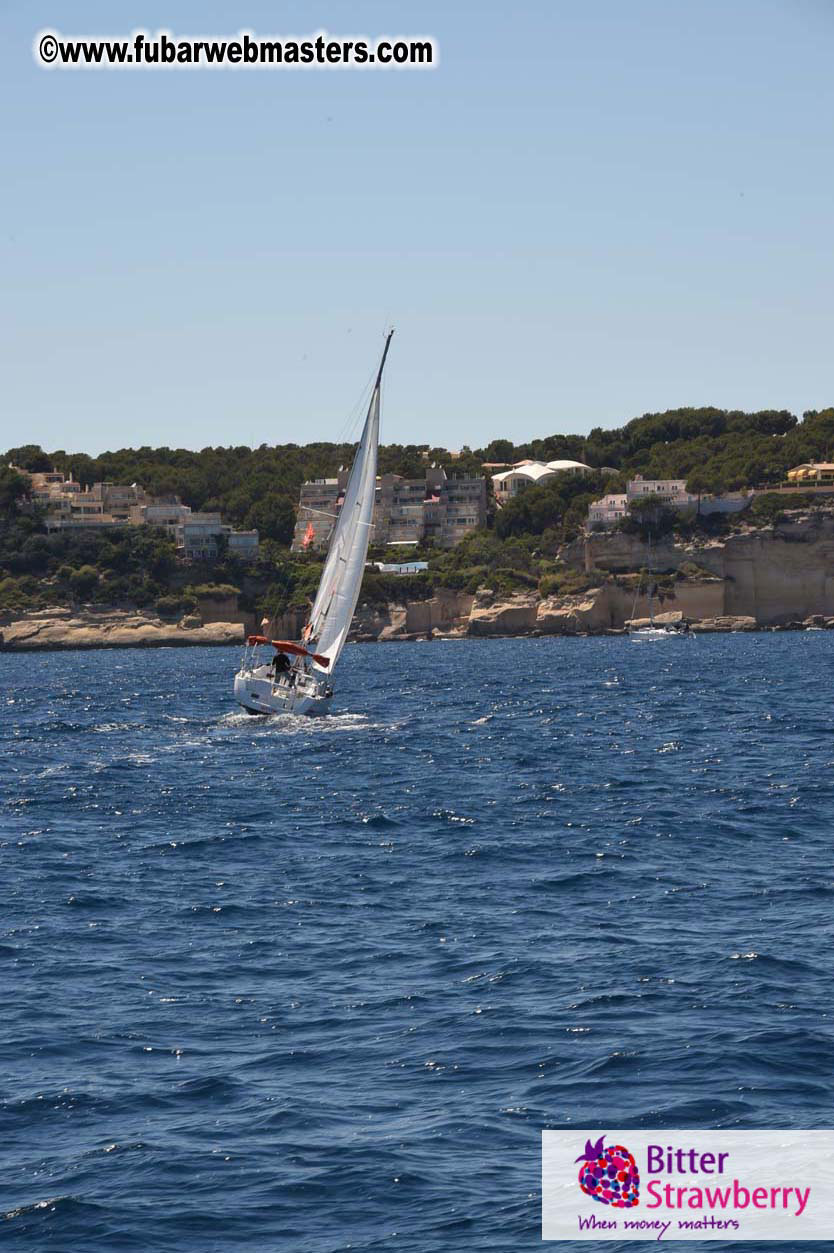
x=588, y=211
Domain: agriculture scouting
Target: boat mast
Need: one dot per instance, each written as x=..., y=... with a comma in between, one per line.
x=384, y=355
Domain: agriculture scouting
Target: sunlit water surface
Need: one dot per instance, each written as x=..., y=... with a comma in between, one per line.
x=309, y=985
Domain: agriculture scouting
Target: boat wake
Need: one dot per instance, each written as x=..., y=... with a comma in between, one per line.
x=301, y=724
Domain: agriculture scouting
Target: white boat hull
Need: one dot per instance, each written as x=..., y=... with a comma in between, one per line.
x=654, y=633
x=258, y=692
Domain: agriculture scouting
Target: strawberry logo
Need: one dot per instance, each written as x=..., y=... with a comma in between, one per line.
x=609, y=1175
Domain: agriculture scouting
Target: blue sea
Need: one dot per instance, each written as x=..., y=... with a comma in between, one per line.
x=319, y=984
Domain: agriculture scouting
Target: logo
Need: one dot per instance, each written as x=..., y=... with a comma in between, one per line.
x=609, y=1175
x=689, y=1184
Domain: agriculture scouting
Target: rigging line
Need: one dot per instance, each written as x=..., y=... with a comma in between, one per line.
x=362, y=404
x=322, y=512
x=350, y=423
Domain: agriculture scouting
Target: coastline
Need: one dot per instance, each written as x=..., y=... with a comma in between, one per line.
x=777, y=578
x=59, y=631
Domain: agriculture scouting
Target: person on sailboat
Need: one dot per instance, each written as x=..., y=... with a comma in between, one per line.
x=280, y=665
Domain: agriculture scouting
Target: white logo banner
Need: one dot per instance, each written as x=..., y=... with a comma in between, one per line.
x=687, y=1185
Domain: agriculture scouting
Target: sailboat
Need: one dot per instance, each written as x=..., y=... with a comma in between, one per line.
x=297, y=678
x=652, y=631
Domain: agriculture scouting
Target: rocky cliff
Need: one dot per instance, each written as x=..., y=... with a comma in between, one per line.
x=601, y=609
x=446, y=613
x=777, y=577
x=780, y=576
x=89, y=628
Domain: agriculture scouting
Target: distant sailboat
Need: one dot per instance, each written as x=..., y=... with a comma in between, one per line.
x=297, y=678
x=652, y=631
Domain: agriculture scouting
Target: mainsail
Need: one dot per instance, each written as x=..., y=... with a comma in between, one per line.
x=344, y=566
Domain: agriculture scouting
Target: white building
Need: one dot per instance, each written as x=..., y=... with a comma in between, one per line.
x=608, y=511
x=612, y=509
x=398, y=567
x=169, y=516
x=509, y=483
x=664, y=491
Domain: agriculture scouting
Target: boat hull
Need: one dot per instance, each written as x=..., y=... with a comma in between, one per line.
x=641, y=634
x=258, y=693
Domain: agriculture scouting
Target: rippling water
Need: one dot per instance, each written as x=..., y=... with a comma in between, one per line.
x=319, y=984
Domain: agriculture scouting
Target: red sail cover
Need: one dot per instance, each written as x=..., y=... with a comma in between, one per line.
x=284, y=646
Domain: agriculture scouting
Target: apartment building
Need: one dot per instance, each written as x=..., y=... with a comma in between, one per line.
x=664, y=491
x=198, y=536
x=671, y=493
x=204, y=536
x=608, y=511
x=435, y=508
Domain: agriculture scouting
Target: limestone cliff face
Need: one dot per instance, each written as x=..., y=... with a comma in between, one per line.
x=65, y=628
x=775, y=575
x=787, y=577
x=694, y=599
x=223, y=609
x=621, y=553
x=286, y=626
x=610, y=607
x=509, y=615
x=575, y=615
x=447, y=612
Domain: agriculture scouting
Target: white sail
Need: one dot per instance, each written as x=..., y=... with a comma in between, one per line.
x=344, y=566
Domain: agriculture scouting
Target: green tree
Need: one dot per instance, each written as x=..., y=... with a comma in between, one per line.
x=500, y=450
x=274, y=518
x=29, y=457
x=696, y=485
x=13, y=489
x=84, y=581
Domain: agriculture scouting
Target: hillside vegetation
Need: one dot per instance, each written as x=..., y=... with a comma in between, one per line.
x=713, y=449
